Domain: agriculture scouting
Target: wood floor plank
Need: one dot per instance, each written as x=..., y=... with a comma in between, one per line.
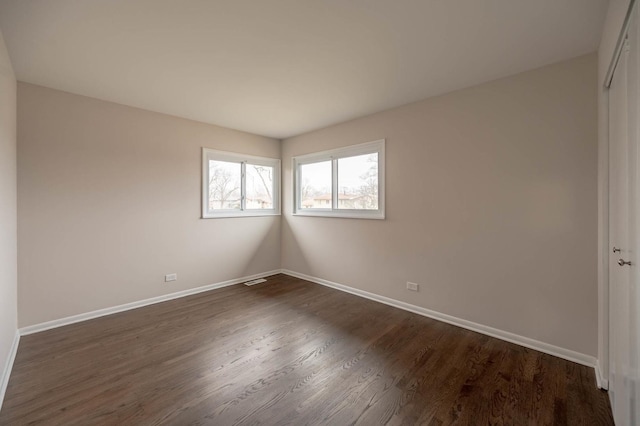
x=289, y=352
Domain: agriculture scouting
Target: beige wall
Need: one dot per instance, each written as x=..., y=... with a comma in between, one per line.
x=8, y=277
x=109, y=202
x=491, y=206
x=612, y=26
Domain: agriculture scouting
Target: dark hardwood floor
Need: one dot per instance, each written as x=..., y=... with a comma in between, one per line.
x=289, y=352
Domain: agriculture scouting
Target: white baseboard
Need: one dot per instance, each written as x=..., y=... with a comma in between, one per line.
x=8, y=366
x=547, y=348
x=133, y=305
x=601, y=381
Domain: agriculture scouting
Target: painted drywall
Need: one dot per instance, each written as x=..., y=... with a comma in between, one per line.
x=8, y=226
x=287, y=67
x=109, y=202
x=491, y=206
x=610, y=33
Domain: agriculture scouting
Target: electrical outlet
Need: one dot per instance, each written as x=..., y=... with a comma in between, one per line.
x=170, y=277
x=412, y=286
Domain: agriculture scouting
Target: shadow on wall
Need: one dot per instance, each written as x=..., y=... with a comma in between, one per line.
x=294, y=250
x=263, y=244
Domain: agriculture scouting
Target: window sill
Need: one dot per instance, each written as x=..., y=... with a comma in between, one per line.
x=231, y=215
x=344, y=215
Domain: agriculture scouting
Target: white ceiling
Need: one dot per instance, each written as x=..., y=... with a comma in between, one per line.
x=284, y=67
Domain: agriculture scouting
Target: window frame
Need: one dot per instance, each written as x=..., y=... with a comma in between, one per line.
x=334, y=155
x=242, y=159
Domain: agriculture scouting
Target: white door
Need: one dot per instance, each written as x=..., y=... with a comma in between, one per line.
x=624, y=302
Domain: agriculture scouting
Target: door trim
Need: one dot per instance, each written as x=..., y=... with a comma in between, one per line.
x=619, y=45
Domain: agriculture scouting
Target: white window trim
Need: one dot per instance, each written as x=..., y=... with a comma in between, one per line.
x=212, y=154
x=334, y=155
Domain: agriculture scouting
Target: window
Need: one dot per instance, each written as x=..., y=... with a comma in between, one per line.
x=345, y=182
x=239, y=185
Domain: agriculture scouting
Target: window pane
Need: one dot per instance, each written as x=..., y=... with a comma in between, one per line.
x=224, y=185
x=259, y=187
x=315, y=185
x=358, y=182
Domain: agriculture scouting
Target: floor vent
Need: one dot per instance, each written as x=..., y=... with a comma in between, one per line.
x=254, y=282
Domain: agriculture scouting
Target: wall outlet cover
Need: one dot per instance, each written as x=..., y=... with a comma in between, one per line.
x=412, y=286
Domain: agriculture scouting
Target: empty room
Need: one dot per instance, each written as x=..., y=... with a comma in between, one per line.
x=319, y=212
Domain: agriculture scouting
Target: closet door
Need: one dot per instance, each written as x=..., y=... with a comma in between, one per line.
x=624, y=301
